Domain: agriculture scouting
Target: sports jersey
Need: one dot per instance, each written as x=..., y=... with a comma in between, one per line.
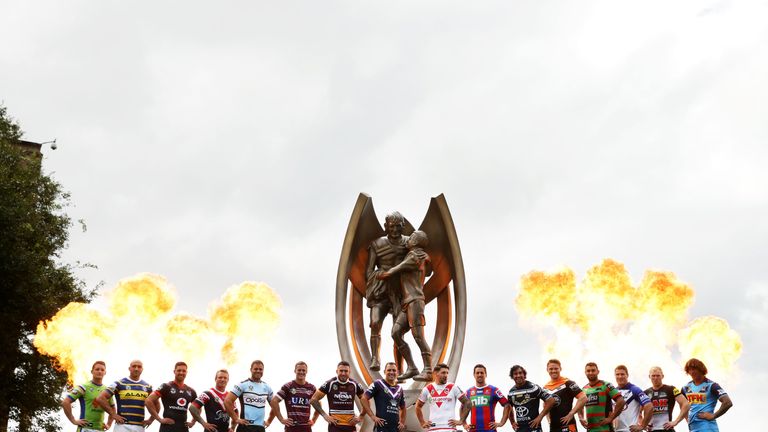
x=341, y=402
x=600, y=399
x=525, y=401
x=703, y=398
x=564, y=391
x=634, y=400
x=212, y=401
x=86, y=394
x=442, y=404
x=130, y=396
x=175, y=401
x=388, y=400
x=484, y=400
x=663, y=401
x=297, y=397
x=254, y=397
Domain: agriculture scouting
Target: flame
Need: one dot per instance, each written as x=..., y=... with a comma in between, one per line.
x=139, y=322
x=246, y=313
x=607, y=319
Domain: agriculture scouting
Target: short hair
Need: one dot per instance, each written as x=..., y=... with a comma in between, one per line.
x=696, y=364
x=655, y=368
x=224, y=371
x=97, y=362
x=516, y=368
x=395, y=217
x=390, y=363
x=181, y=363
x=555, y=361
x=300, y=363
x=622, y=367
x=479, y=366
x=255, y=362
x=421, y=238
x=440, y=366
x=591, y=364
x=343, y=363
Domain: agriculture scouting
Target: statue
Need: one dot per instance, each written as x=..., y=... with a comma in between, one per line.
x=413, y=270
x=383, y=294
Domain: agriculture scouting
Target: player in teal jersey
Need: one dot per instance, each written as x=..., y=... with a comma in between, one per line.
x=703, y=395
x=91, y=416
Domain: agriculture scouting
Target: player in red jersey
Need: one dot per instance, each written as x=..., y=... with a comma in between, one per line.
x=442, y=397
x=212, y=401
x=296, y=394
x=484, y=398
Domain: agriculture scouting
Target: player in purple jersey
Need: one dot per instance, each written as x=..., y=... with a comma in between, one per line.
x=484, y=398
x=389, y=400
x=176, y=397
x=296, y=394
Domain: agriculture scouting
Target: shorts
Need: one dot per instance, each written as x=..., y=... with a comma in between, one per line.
x=128, y=428
x=178, y=427
x=566, y=428
x=250, y=428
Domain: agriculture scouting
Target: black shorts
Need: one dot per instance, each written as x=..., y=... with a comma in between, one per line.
x=250, y=428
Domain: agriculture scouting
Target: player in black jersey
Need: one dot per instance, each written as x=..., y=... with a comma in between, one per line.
x=176, y=397
x=212, y=401
x=389, y=400
x=564, y=391
x=524, y=398
x=663, y=398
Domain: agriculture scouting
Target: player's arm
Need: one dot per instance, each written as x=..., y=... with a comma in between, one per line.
x=408, y=264
x=548, y=404
x=315, y=415
x=318, y=406
x=578, y=407
x=102, y=400
x=401, y=423
x=420, y=415
x=502, y=400
x=365, y=401
x=194, y=410
x=682, y=401
x=229, y=405
x=153, y=404
x=505, y=416
x=618, y=407
x=275, y=405
x=466, y=406
x=66, y=405
x=725, y=405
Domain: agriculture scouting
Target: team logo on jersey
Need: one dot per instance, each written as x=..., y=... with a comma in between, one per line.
x=181, y=402
x=173, y=390
x=292, y=390
x=335, y=387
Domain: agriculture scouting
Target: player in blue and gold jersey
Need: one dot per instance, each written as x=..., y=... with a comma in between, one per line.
x=130, y=394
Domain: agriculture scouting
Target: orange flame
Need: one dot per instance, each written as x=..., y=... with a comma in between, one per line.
x=607, y=319
x=140, y=324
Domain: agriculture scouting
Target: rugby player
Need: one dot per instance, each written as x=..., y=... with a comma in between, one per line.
x=91, y=416
x=600, y=395
x=524, y=398
x=563, y=391
x=389, y=400
x=636, y=402
x=484, y=398
x=296, y=394
x=663, y=398
x=442, y=397
x=703, y=394
x=176, y=397
x=212, y=401
x=254, y=395
x=341, y=391
x=130, y=394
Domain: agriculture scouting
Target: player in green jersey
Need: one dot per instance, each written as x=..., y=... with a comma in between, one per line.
x=91, y=416
x=601, y=396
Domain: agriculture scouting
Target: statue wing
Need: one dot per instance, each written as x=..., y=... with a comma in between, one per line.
x=443, y=247
x=363, y=228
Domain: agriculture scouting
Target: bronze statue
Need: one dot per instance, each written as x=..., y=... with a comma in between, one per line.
x=383, y=295
x=412, y=270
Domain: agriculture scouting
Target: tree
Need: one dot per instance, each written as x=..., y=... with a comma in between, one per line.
x=34, y=283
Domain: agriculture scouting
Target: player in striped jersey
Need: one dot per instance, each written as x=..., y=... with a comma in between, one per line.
x=484, y=398
x=296, y=394
x=442, y=397
x=91, y=415
x=600, y=395
x=130, y=394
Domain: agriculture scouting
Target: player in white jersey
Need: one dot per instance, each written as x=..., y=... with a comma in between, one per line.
x=441, y=397
x=637, y=403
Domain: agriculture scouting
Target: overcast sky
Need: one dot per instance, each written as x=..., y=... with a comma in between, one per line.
x=214, y=144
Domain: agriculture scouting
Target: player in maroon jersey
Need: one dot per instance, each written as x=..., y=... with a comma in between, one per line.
x=296, y=394
x=342, y=392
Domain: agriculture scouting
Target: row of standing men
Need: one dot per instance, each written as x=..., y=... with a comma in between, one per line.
x=599, y=405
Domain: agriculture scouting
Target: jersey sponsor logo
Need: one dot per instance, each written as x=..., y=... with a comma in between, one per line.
x=132, y=394
x=521, y=411
x=344, y=397
x=255, y=400
x=298, y=400
x=181, y=402
x=480, y=401
x=593, y=399
x=697, y=398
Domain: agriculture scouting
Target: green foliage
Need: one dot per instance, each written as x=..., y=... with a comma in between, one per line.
x=34, y=283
